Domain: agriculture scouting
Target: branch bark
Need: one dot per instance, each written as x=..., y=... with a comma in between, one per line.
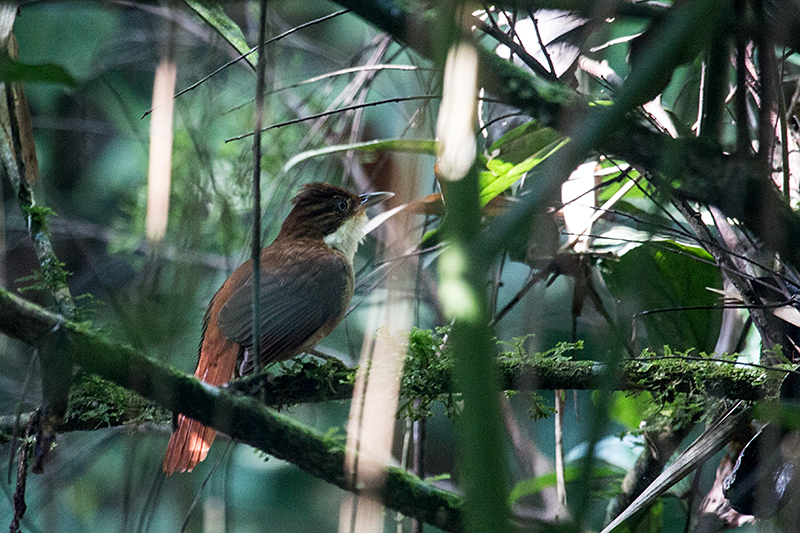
x=246, y=420
x=310, y=382
x=242, y=418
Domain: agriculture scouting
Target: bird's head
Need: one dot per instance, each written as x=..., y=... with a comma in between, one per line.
x=331, y=214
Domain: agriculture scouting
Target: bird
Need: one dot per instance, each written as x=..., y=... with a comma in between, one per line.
x=306, y=285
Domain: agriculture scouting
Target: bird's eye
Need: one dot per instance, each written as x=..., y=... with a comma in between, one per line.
x=341, y=205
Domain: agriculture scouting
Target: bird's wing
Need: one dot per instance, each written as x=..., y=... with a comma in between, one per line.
x=305, y=297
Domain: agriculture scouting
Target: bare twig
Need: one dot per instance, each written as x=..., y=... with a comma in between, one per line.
x=255, y=249
x=239, y=58
x=341, y=109
x=22, y=476
x=542, y=44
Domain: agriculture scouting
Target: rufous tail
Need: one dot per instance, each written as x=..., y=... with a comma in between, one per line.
x=188, y=445
x=190, y=442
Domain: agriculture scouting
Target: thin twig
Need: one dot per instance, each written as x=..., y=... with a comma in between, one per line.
x=768, y=92
x=22, y=475
x=18, y=416
x=782, y=121
x=255, y=249
x=743, y=145
x=348, y=70
x=541, y=43
x=340, y=110
x=532, y=280
x=203, y=486
x=261, y=43
x=515, y=48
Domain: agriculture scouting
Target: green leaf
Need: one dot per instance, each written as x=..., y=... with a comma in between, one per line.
x=408, y=146
x=215, y=16
x=653, y=519
x=14, y=71
x=665, y=278
x=439, y=477
x=501, y=174
x=610, y=170
x=518, y=144
x=534, y=485
x=629, y=410
x=786, y=414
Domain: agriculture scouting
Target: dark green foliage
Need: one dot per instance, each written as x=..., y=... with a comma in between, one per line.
x=663, y=285
x=95, y=403
x=653, y=256
x=14, y=71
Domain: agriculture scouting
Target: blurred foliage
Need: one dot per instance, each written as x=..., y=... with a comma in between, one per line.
x=639, y=284
x=670, y=278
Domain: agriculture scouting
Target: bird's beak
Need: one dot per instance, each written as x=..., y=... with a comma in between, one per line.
x=373, y=198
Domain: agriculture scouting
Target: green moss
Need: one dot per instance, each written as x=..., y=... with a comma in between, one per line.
x=683, y=386
x=427, y=376
x=688, y=387
x=517, y=356
x=539, y=408
x=38, y=215
x=95, y=402
x=427, y=372
x=331, y=372
x=50, y=274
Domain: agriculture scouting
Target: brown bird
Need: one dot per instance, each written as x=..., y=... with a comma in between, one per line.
x=306, y=285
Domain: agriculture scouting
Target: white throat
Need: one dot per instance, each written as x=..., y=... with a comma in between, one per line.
x=349, y=235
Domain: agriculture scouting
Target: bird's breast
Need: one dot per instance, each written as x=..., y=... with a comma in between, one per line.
x=305, y=288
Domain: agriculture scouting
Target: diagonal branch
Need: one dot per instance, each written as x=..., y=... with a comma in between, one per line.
x=246, y=420
x=241, y=417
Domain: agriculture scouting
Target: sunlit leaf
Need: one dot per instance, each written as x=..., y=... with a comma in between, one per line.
x=518, y=144
x=214, y=15
x=615, y=175
x=502, y=175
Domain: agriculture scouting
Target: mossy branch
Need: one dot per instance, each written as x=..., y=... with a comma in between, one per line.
x=95, y=405
x=18, y=162
x=241, y=417
x=427, y=374
x=309, y=381
x=248, y=421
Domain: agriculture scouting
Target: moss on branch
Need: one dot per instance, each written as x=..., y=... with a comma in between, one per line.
x=428, y=376
x=96, y=403
x=240, y=417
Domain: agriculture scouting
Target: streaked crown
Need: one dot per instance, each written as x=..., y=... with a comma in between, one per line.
x=319, y=210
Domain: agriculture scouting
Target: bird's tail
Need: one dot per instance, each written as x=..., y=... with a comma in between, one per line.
x=188, y=445
x=191, y=440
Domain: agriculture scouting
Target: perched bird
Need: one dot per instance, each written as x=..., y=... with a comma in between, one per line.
x=305, y=287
